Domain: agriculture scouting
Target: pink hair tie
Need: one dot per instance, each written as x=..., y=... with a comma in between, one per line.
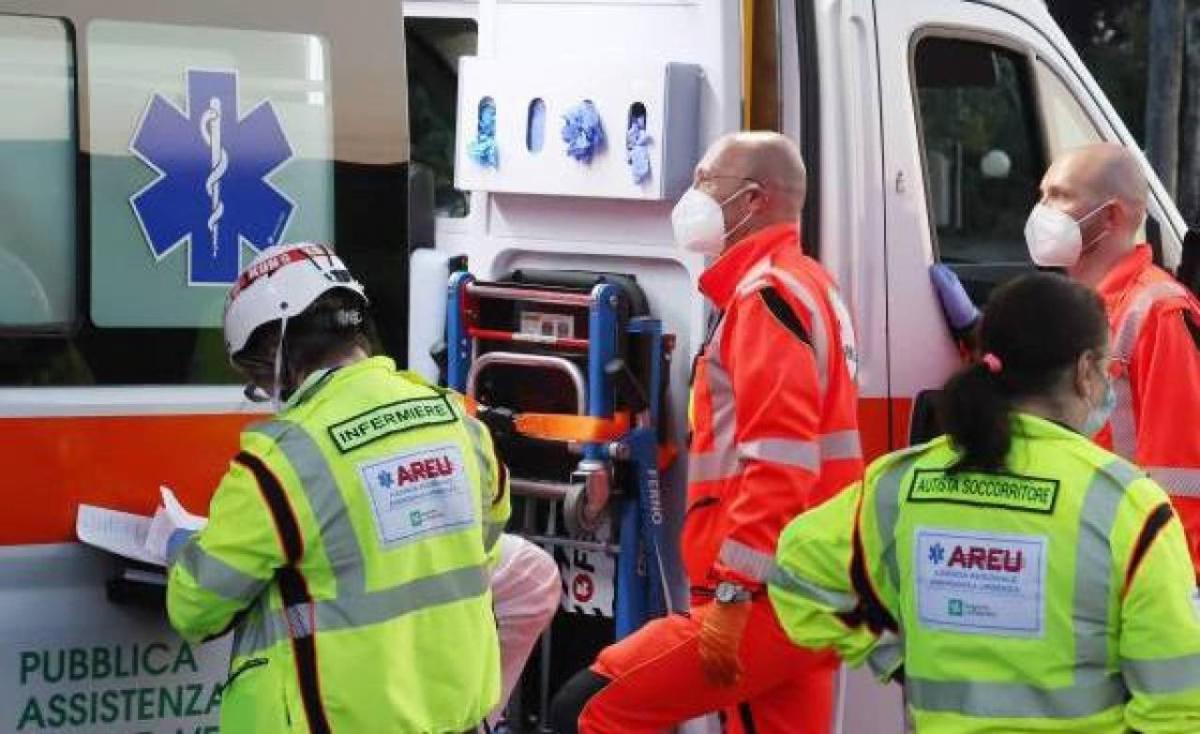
x=993, y=363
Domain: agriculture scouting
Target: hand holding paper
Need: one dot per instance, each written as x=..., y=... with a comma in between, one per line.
x=171, y=527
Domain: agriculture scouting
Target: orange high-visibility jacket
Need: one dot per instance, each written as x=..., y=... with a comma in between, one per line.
x=774, y=407
x=1155, y=323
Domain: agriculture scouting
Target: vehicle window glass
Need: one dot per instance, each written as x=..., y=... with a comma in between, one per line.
x=37, y=176
x=1067, y=124
x=983, y=154
x=207, y=145
x=433, y=47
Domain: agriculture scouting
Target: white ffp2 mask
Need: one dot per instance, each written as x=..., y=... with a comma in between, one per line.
x=698, y=221
x=1054, y=237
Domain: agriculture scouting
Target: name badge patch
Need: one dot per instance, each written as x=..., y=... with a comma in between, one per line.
x=395, y=418
x=1007, y=491
x=981, y=583
x=419, y=494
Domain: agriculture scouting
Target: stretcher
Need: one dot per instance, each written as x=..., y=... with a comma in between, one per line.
x=568, y=369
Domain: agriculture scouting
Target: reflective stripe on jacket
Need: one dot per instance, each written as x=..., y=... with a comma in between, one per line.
x=1155, y=324
x=774, y=407
x=348, y=550
x=1056, y=596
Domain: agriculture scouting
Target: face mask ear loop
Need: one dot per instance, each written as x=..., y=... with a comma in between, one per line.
x=1091, y=245
x=276, y=386
x=749, y=186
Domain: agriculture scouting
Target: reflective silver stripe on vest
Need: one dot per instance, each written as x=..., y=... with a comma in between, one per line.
x=720, y=461
x=328, y=506
x=301, y=620
x=835, y=600
x=796, y=454
x=1177, y=481
x=1014, y=700
x=745, y=560
x=250, y=634
x=352, y=611
x=887, y=656
x=840, y=445
x=479, y=443
x=490, y=480
x=491, y=535
x=1093, y=569
x=217, y=576
x=1124, y=423
x=1169, y=675
x=887, y=508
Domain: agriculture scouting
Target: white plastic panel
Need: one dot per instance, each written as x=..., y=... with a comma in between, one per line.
x=669, y=92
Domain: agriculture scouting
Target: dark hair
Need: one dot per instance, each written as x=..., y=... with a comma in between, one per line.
x=331, y=326
x=1035, y=328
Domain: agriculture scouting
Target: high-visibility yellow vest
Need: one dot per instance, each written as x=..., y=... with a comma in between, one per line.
x=348, y=548
x=1056, y=596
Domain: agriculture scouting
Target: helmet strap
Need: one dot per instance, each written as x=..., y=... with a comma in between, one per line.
x=276, y=385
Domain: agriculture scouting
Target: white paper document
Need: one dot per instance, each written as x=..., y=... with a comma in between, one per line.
x=122, y=533
x=136, y=536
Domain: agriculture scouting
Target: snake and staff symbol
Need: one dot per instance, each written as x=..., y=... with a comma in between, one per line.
x=210, y=130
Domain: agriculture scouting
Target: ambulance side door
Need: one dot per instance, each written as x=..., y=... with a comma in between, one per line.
x=979, y=99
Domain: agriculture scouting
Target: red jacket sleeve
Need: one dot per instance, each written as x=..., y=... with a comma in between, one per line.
x=777, y=404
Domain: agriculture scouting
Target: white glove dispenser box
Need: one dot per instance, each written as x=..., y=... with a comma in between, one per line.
x=669, y=94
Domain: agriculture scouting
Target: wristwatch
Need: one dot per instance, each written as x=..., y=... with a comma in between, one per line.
x=727, y=592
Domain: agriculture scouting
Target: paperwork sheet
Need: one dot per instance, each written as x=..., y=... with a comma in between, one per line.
x=122, y=533
x=136, y=536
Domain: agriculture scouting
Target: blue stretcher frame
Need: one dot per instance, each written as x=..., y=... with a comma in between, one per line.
x=641, y=583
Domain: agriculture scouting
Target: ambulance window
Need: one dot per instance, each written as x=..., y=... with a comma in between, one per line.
x=1067, y=124
x=983, y=155
x=37, y=176
x=433, y=47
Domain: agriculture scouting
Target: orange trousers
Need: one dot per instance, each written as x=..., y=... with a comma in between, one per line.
x=656, y=681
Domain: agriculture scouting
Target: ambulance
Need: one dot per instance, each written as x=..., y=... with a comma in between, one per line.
x=149, y=149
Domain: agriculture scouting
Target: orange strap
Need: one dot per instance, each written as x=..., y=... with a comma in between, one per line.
x=563, y=426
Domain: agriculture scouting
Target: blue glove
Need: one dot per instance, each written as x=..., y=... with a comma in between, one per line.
x=583, y=132
x=961, y=314
x=175, y=543
x=483, y=148
x=637, y=154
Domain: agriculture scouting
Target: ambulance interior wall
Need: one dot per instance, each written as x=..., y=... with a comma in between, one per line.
x=507, y=231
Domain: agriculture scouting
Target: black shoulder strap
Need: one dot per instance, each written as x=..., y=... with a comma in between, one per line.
x=784, y=314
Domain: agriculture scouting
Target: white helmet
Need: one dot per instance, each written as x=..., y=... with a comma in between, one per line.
x=280, y=283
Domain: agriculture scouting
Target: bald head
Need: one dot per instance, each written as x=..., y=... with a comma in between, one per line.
x=1100, y=172
x=767, y=158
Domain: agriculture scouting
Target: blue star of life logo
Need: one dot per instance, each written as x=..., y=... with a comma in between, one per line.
x=385, y=479
x=212, y=190
x=937, y=553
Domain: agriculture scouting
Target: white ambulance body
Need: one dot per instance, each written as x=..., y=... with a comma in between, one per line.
x=128, y=197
